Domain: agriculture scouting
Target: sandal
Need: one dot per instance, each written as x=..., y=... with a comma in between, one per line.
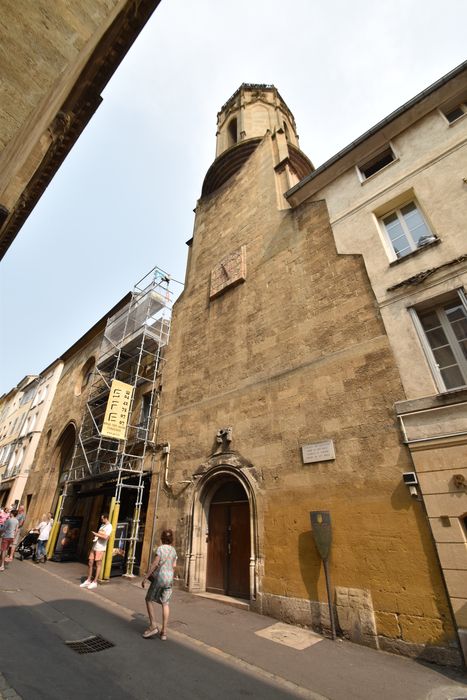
x=147, y=634
x=163, y=637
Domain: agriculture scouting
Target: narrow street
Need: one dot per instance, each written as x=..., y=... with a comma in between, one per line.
x=214, y=650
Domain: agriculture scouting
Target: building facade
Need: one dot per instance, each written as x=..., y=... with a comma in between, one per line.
x=278, y=401
x=23, y=415
x=302, y=380
x=89, y=462
x=398, y=197
x=56, y=60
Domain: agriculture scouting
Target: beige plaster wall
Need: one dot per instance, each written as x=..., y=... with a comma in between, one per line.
x=438, y=465
x=431, y=166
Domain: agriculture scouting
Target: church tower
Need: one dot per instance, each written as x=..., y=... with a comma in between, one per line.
x=279, y=387
x=253, y=111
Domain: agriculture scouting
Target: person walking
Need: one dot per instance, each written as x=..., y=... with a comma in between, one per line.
x=161, y=574
x=20, y=518
x=4, y=514
x=9, y=529
x=44, y=527
x=96, y=555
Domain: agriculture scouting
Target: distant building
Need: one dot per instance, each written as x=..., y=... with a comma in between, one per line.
x=23, y=412
x=88, y=465
x=56, y=60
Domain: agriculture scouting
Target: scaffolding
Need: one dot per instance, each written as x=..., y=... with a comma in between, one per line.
x=132, y=351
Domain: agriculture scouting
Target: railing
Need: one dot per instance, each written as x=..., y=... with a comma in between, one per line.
x=9, y=473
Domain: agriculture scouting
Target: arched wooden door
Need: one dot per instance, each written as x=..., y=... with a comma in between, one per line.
x=228, y=557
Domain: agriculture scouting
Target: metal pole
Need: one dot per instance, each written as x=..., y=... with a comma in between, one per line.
x=107, y=563
x=55, y=529
x=328, y=590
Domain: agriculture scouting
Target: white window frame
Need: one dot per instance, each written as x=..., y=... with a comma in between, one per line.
x=439, y=381
x=405, y=228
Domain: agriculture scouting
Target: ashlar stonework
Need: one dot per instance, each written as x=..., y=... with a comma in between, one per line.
x=295, y=354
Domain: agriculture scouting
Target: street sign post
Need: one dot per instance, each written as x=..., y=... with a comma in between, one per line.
x=322, y=535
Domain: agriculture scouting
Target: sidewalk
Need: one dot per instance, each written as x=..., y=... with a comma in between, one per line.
x=328, y=670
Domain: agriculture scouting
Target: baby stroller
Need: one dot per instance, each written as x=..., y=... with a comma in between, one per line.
x=27, y=546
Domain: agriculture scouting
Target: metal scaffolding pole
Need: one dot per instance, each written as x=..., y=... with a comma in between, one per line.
x=132, y=352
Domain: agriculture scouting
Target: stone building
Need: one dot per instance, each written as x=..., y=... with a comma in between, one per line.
x=56, y=59
x=55, y=449
x=397, y=197
x=23, y=412
x=280, y=391
x=84, y=467
x=295, y=383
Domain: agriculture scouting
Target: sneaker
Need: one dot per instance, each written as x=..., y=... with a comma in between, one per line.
x=92, y=585
x=86, y=583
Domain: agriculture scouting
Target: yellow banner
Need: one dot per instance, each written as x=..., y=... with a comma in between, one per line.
x=117, y=411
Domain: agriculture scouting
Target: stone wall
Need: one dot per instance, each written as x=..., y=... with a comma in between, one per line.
x=67, y=409
x=293, y=355
x=56, y=59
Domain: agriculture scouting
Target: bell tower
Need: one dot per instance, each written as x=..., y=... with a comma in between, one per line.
x=249, y=113
x=254, y=111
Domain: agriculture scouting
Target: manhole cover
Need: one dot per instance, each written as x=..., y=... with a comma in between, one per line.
x=90, y=645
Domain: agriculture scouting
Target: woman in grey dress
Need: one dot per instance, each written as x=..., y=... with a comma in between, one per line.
x=161, y=572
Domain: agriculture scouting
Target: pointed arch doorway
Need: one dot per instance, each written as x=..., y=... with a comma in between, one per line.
x=229, y=541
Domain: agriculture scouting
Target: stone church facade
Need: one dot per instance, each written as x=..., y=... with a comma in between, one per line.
x=278, y=400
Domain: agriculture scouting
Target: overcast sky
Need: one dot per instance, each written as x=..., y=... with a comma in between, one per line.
x=123, y=200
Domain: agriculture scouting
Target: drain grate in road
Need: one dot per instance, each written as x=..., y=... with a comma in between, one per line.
x=90, y=645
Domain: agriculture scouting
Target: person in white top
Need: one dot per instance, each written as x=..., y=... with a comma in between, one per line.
x=44, y=527
x=96, y=555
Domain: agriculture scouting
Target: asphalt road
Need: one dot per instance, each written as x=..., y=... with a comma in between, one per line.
x=213, y=651
x=39, y=665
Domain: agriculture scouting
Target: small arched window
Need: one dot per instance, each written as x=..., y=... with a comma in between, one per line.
x=286, y=131
x=232, y=132
x=85, y=376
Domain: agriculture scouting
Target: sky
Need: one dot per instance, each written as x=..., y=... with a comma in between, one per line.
x=123, y=200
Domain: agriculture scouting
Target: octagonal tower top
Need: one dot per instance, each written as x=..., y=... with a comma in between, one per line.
x=251, y=111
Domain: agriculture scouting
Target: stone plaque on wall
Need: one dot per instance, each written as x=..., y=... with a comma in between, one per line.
x=228, y=273
x=318, y=451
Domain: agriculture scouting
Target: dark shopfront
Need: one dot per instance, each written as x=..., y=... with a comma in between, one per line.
x=85, y=508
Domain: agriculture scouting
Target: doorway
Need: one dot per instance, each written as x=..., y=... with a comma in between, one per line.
x=228, y=549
